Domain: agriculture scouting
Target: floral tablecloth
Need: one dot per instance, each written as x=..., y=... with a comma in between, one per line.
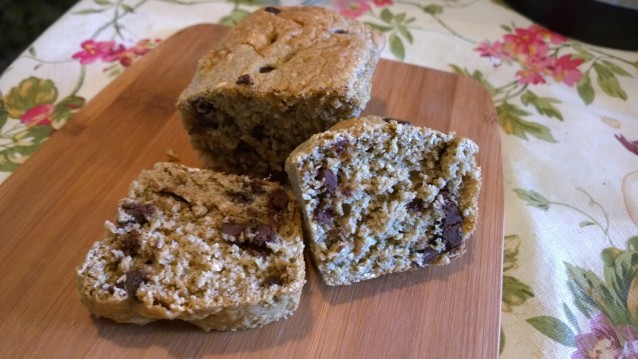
x=568, y=113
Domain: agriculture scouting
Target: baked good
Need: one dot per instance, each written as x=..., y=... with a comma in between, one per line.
x=222, y=251
x=381, y=196
x=279, y=76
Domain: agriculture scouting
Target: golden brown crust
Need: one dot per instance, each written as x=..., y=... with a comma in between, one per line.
x=273, y=81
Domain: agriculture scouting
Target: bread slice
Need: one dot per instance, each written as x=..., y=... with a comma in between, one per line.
x=381, y=196
x=281, y=75
x=221, y=251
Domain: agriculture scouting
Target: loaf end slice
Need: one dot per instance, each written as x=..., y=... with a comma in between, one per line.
x=279, y=76
x=223, y=252
x=381, y=196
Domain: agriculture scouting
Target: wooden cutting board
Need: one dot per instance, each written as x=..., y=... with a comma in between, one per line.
x=54, y=206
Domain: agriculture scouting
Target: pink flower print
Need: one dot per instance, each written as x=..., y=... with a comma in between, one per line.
x=534, y=72
x=605, y=340
x=630, y=350
x=631, y=146
x=565, y=69
x=39, y=115
x=494, y=52
x=126, y=57
x=382, y=2
x=547, y=35
x=525, y=46
x=94, y=51
x=352, y=8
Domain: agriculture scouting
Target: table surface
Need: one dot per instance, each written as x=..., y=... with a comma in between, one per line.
x=569, y=131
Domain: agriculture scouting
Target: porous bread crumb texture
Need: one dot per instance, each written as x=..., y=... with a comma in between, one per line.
x=224, y=252
x=380, y=196
x=281, y=75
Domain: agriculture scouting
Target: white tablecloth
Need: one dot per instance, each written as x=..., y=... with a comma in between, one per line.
x=568, y=113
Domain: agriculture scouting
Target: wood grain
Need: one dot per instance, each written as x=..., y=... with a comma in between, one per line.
x=53, y=208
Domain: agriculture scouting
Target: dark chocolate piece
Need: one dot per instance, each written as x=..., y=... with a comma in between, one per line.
x=244, y=80
x=140, y=212
x=272, y=10
x=329, y=179
x=279, y=200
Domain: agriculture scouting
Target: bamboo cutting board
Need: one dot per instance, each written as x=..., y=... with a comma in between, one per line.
x=53, y=208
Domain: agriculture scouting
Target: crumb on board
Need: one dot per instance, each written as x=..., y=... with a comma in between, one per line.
x=172, y=155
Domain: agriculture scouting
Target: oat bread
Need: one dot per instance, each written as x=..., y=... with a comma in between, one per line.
x=281, y=75
x=224, y=252
x=381, y=196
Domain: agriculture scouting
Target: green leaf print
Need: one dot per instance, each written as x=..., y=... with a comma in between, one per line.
x=501, y=344
x=4, y=115
x=555, y=329
x=30, y=92
x=379, y=27
x=533, y=198
x=510, y=253
x=598, y=295
x=386, y=16
x=515, y=293
x=585, y=89
x=90, y=11
x=512, y=123
x=396, y=47
x=571, y=317
x=127, y=8
x=433, y=9
x=544, y=105
x=616, y=69
x=608, y=82
x=65, y=109
x=405, y=33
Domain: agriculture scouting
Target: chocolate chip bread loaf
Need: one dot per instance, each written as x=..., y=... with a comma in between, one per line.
x=221, y=251
x=281, y=75
x=381, y=196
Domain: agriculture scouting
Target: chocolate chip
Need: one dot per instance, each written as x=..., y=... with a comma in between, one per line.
x=339, y=148
x=329, y=179
x=325, y=213
x=265, y=69
x=273, y=10
x=240, y=197
x=134, y=278
x=130, y=243
x=279, y=200
x=257, y=185
x=244, y=80
x=258, y=132
x=402, y=122
x=429, y=255
x=416, y=205
x=341, y=31
x=265, y=233
x=273, y=279
x=233, y=229
x=258, y=249
x=140, y=212
x=452, y=223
